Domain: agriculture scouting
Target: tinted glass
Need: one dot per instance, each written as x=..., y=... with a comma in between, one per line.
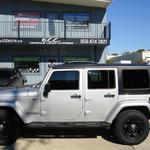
x=135, y=79
x=64, y=80
x=111, y=79
x=6, y=74
x=101, y=79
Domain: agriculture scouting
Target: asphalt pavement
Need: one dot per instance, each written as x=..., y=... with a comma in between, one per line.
x=74, y=143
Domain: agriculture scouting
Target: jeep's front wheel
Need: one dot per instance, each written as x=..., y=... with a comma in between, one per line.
x=131, y=127
x=8, y=128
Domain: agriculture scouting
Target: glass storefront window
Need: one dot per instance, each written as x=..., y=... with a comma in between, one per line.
x=27, y=64
x=77, y=20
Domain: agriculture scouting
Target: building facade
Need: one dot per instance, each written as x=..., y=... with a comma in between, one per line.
x=138, y=57
x=111, y=56
x=36, y=33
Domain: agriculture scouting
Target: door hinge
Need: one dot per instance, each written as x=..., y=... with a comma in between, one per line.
x=43, y=112
x=87, y=99
x=87, y=112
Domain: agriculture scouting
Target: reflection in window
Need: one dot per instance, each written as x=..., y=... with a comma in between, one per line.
x=101, y=79
x=76, y=20
x=64, y=80
x=27, y=64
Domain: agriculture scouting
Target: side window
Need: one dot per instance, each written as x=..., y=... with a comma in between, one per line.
x=64, y=80
x=135, y=79
x=101, y=79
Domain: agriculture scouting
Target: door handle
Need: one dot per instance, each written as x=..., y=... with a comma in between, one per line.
x=109, y=95
x=75, y=96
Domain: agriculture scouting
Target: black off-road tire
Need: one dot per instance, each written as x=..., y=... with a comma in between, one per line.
x=131, y=127
x=9, y=128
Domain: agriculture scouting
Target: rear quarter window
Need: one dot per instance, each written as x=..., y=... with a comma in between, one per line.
x=135, y=79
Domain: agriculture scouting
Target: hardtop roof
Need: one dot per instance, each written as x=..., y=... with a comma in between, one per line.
x=82, y=65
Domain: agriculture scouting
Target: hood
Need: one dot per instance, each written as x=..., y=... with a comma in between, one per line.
x=4, y=82
x=11, y=94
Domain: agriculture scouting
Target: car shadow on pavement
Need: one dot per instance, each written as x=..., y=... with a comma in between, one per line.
x=109, y=136
x=11, y=147
x=72, y=133
x=76, y=133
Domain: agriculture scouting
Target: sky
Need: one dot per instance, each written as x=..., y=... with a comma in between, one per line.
x=130, y=21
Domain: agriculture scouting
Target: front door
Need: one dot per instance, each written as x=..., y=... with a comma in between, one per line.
x=64, y=101
x=101, y=93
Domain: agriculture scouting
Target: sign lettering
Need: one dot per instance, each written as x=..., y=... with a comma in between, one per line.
x=54, y=41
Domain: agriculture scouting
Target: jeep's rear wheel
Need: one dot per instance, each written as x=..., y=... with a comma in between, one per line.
x=8, y=128
x=131, y=127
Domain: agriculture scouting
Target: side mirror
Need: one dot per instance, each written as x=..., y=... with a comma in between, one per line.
x=13, y=76
x=25, y=81
x=47, y=89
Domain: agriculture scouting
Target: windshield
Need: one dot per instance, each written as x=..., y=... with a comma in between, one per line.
x=39, y=83
x=36, y=85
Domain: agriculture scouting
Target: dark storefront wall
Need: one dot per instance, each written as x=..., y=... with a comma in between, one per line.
x=44, y=10
x=34, y=61
x=47, y=19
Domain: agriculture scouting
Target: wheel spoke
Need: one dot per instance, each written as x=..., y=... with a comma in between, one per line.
x=136, y=135
x=133, y=129
x=4, y=129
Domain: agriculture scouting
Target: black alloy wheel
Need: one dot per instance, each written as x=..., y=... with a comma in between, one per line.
x=131, y=127
x=9, y=129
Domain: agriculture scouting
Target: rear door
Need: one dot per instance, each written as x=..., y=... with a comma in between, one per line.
x=101, y=93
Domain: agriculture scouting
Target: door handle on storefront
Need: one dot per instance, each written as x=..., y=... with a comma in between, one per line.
x=75, y=96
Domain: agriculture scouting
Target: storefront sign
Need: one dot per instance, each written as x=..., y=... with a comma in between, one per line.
x=94, y=41
x=28, y=20
x=14, y=41
x=54, y=41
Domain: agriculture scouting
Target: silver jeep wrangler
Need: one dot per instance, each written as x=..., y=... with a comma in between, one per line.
x=115, y=97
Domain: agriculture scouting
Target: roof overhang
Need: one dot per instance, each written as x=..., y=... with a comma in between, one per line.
x=90, y=3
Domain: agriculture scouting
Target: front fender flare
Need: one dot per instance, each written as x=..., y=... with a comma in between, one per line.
x=16, y=107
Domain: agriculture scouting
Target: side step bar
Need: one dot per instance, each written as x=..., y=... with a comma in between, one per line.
x=37, y=125
x=75, y=128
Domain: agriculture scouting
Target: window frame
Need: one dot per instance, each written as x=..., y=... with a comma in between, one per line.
x=73, y=22
x=135, y=89
x=123, y=91
x=79, y=79
x=108, y=75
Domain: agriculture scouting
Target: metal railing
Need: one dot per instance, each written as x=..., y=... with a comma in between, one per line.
x=59, y=29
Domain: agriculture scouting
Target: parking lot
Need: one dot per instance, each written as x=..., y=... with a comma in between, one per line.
x=73, y=143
